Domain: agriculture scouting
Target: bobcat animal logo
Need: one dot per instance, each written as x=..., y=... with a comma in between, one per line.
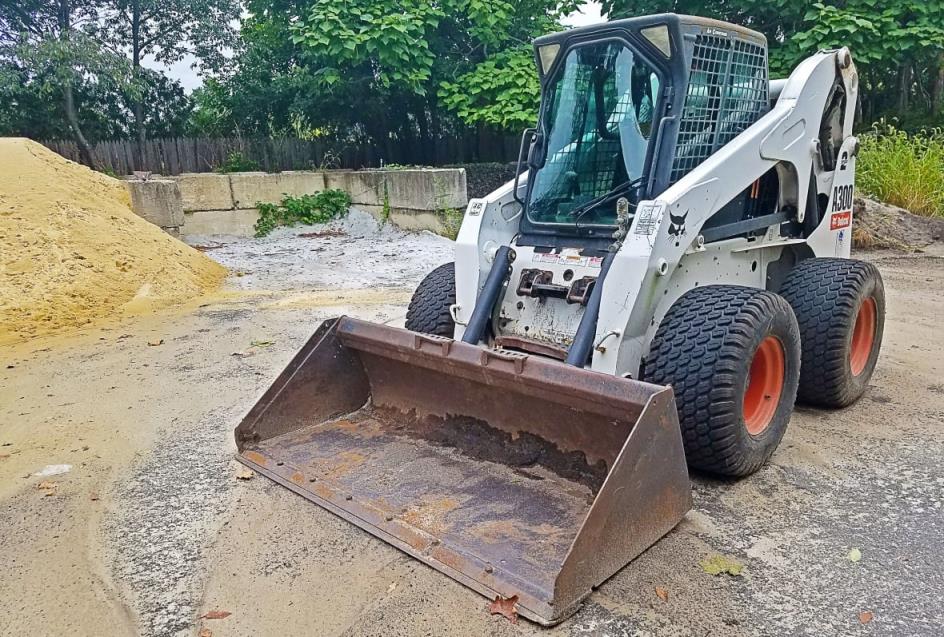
x=677, y=225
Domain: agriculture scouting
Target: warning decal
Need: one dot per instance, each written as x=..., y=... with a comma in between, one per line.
x=840, y=220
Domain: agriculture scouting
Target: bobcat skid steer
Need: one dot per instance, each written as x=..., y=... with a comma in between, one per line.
x=660, y=285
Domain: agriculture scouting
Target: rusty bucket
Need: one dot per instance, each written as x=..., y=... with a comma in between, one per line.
x=518, y=476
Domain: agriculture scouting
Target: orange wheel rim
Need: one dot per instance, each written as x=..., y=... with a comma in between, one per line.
x=764, y=385
x=863, y=336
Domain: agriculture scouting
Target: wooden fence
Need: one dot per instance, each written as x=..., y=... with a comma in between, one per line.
x=180, y=155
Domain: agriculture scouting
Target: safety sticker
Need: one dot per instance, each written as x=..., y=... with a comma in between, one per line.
x=648, y=218
x=840, y=220
x=567, y=259
x=476, y=207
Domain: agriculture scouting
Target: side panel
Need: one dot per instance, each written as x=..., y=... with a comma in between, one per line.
x=833, y=236
x=489, y=223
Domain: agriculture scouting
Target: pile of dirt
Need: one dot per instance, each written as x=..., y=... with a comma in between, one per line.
x=882, y=226
x=72, y=251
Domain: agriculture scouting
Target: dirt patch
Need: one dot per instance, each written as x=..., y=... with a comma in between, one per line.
x=883, y=226
x=477, y=439
x=73, y=251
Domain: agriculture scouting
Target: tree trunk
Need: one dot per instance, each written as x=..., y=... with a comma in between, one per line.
x=85, y=149
x=937, y=87
x=68, y=95
x=904, y=89
x=138, y=102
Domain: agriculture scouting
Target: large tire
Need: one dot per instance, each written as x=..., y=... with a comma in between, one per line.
x=732, y=355
x=429, y=308
x=840, y=307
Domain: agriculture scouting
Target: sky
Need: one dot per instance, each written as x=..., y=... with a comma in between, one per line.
x=190, y=79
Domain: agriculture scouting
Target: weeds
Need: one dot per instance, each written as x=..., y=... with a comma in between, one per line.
x=308, y=209
x=903, y=170
x=236, y=162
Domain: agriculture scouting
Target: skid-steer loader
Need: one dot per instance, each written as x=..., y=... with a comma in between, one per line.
x=667, y=276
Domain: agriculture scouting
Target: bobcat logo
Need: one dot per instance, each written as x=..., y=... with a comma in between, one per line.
x=677, y=225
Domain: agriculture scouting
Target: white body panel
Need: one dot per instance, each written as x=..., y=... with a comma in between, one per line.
x=654, y=267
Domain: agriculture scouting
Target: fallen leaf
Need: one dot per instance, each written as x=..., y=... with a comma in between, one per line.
x=718, y=564
x=48, y=488
x=505, y=608
x=245, y=474
x=156, y=343
x=866, y=616
x=205, y=632
x=662, y=593
x=261, y=343
x=855, y=555
x=217, y=614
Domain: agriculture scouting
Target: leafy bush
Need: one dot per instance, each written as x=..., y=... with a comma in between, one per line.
x=236, y=162
x=903, y=170
x=308, y=209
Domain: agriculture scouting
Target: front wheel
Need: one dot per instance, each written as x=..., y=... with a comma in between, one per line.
x=732, y=356
x=429, y=308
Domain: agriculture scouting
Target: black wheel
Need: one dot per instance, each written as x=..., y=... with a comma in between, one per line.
x=732, y=355
x=429, y=308
x=840, y=307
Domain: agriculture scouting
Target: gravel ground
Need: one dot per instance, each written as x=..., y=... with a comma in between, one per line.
x=150, y=530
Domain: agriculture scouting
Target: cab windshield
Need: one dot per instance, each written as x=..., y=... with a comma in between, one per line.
x=597, y=125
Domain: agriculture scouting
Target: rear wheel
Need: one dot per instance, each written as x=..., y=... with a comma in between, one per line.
x=429, y=308
x=840, y=307
x=732, y=355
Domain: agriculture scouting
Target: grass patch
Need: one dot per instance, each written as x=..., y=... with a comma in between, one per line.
x=903, y=170
x=308, y=209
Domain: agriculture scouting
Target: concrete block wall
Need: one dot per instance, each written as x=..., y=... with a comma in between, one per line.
x=415, y=198
x=158, y=201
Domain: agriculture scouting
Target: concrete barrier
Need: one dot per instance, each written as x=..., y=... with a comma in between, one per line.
x=205, y=191
x=251, y=188
x=415, y=199
x=158, y=201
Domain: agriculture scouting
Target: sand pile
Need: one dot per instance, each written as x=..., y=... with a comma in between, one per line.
x=71, y=250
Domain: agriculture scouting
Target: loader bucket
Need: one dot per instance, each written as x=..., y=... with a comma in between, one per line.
x=518, y=476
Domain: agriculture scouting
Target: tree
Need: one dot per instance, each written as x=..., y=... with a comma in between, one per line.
x=48, y=44
x=166, y=31
x=383, y=71
x=898, y=45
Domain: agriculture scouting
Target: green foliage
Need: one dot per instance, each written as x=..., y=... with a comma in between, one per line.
x=898, y=45
x=903, y=170
x=392, y=41
x=380, y=71
x=236, y=162
x=452, y=222
x=308, y=209
x=502, y=91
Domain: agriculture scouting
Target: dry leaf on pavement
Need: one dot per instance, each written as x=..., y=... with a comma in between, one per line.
x=217, y=614
x=865, y=616
x=505, y=608
x=718, y=564
x=156, y=343
x=245, y=474
x=205, y=632
x=662, y=593
x=48, y=488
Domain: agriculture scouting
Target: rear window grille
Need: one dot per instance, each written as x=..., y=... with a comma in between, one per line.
x=727, y=92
